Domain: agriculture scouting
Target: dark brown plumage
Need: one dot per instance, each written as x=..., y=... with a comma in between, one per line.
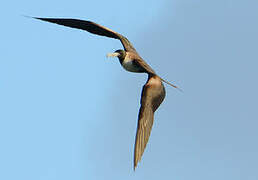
x=153, y=92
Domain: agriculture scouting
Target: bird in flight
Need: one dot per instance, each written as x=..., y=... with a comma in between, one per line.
x=153, y=92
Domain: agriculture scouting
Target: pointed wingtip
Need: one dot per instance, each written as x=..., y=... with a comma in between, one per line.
x=32, y=17
x=26, y=16
x=134, y=167
x=135, y=162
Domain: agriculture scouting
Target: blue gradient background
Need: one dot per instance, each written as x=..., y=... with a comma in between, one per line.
x=68, y=112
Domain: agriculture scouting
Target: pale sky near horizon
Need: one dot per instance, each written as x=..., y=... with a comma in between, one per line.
x=68, y=112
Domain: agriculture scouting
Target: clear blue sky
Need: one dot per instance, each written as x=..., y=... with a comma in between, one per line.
x=68, y=112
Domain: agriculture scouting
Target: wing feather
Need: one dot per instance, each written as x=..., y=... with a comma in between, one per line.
x=153, y=93
x=92, y=28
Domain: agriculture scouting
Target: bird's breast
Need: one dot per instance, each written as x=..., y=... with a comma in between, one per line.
x=129, y=65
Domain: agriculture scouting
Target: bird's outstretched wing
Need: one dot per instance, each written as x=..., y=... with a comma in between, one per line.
x=153, y=93
x=92, y=28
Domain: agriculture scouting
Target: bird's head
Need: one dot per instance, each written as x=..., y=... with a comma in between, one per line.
x=118, y=53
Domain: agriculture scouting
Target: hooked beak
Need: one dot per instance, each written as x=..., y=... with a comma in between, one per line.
x=115, y=54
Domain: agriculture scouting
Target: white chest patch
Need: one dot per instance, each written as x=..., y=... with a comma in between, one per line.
x=129, y=66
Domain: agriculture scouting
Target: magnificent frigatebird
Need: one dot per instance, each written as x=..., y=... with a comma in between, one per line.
x=153, y=92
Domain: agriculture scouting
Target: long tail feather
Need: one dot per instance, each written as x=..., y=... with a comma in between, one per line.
x=174, y=86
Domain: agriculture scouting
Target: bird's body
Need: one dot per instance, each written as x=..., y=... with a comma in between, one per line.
x=153, y=92
x=129, y=63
